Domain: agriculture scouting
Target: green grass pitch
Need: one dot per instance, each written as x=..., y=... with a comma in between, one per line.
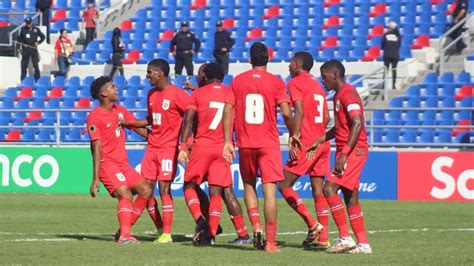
x=76, y=229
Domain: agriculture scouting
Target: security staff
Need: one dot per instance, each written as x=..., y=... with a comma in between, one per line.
x=184, y=51
x=27, y=43
x=223, y=42
x=43, y=6
x=391, y=43
x=459, y=14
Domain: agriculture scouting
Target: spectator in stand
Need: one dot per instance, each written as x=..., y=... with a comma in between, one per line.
x=391, y=43
x=43, y=6
x=89, y=19
x=223, y=42
x=63, y=51
x=184, y=51
x=27, y=43
x=459, y=14
x=118, y=49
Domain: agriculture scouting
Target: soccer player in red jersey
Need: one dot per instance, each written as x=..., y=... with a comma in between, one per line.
x=351, y=154
x=311, y=118
x=110, y=162
x=255, y=96
x=166, y=106
x=206, y=162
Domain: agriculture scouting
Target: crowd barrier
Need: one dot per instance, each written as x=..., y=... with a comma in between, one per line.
x=387, y=175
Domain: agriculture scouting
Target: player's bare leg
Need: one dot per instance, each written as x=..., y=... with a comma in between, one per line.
x=168, y=209
x=215, y=211
x=356, y=217
x=295, y=202
x=124, y=214
x=152, y=208
x=235, y=211
x=251, y=202
x=270, y=210
x=345, y=241
x=322, y=209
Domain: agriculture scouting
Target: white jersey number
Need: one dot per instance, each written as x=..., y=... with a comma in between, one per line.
x=318, y=119
x=254, y=109
x=218, y=116
x=156, y=119
x=166, y=165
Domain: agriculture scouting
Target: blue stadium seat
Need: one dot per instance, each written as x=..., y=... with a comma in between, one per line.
x=427, y=136
x=464, y=137
x=443, y=137
x=408, y=136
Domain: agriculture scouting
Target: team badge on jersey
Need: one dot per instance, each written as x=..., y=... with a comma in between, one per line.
x=337, y=105
x=166, y=104
x=92, y=129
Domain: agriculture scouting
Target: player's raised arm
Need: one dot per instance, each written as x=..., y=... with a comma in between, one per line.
x=229, y=151
x=96, y=158
x=185, y=132
x=138, y=123
x=142, y=132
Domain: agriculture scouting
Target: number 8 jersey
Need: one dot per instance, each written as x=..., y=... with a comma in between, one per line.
x=166, y=107
x=255, y=95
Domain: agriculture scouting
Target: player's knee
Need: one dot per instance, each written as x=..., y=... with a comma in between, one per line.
x=329, y=190
x=187, y=185
x=123, y=193
x=164, y=191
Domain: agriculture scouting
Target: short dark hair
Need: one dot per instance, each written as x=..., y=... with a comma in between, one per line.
x=335, y=65
x=161, y=64
x=214, y=71
x=97, y=85
x=306, y=60
x=259, y=54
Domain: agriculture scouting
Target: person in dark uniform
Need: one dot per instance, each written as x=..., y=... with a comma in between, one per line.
x=184, y=51
x=43, y=6
x=459, y=14
x=391, y=43
x=118, y=49
x=27, y=43
x=223, y=42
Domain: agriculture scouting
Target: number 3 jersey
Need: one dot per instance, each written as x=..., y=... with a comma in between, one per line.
x=255, y=95
x=209, y=101
x=306, y=89
x=103, y=125
x=166, y=108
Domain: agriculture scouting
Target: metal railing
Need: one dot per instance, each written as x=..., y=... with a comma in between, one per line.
x=61, y=123
x=36, y=15
x=442, y=49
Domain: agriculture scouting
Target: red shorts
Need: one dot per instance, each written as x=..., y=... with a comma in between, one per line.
x=160, y=164
x=114, y=175
x=355, y=162
x=208, y=164
x=319, y=166
x=268, y=160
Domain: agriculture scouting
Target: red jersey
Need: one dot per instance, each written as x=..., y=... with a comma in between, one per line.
x=166, y=108
x=89, y=16
x=347, y=103
x=306, y=89
x=209, y=101
x=103, y=125
x=256, y=94
x=62, y=47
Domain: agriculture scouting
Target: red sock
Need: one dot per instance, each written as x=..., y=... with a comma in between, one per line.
x=295, y=202
x=192, y=200
x=215, y=210
x=155, y=216
x=322, y=212
x=138, y=206
x=357, y=223
x=239, y=225
x=254, y=217
x=337, y=210
x=124, y=214
x=270, y=232
x=168, y=209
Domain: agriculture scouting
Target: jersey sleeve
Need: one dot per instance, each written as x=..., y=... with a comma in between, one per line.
x=94, y=128
x=352, y=103
x=295, y=93
x=230, y=96
x=184, y=100
x=281, y=95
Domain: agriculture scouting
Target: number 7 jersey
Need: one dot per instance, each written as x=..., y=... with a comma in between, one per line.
x=255, y=95
x=166, y=107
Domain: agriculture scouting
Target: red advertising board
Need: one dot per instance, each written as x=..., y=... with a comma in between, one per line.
x=436, y=176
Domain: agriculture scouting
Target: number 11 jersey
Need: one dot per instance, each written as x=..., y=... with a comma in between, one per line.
x=255, y=95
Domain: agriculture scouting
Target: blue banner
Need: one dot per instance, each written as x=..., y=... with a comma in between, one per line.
x=378, y=180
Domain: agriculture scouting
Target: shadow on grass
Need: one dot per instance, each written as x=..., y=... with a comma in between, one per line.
x=85, y=237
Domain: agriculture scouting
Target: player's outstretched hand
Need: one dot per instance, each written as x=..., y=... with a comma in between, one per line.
x=122, y=122
x=95, y=187
x=294, y=144
x=183, y=157
x=311, y=151
x=340, y=165
x=229, y=152
x=189, y=86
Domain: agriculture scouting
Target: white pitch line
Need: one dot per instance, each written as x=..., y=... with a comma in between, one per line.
x=85, y=234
